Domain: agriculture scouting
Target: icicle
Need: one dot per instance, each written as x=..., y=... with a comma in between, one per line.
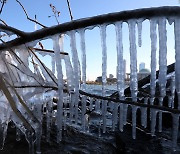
x=133, y=60
x=120, y=61
x=18, y=134
x=139, y=26
x=57, y=48
x=134, y=110
x=153, y=121
x=4, y=120
x=3, y=133
x=53, y=63
x=83, y=50
x=177, y=56
x=83, y=121
x=69, y=73
x=121, y=117
x=97, y=105
x=38, y=113
x=30, y=140
x=144, y=114
x=175, y=130
x=160, y=114
x=104, y=57
x=76, y=69
x=153, y=36
x=90, y=104
x=172, y=88
x=48, y=119
x=115, y=115
x=162, y=56
x=125, y=109
x=162, y=64
x=104, y=107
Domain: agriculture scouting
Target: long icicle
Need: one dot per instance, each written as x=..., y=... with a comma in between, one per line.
x=175, y=131
x=177, y=57
x=120, y=61
x=133, y=59
x=57, y=49
x=162, y=64
x=75, y=61
x=153, y=36
x=83, y=51
x=104, y=57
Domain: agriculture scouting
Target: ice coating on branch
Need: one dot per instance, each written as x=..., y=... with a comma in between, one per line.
x=120, y=61
x=177, y=56
x=139, y=26
x=83, y=55
x=133, y=59
x=75, y=61
x=57, y=49
x=104, y=57
x=153, y=36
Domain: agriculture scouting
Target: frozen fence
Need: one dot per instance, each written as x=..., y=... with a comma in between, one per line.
x=28, y=84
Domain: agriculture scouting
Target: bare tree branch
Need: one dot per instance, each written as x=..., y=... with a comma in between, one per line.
x=43, y=33
x=3, y=22
x=3, y=2
x=35, y=21
x=7, y=28
x=70, y=12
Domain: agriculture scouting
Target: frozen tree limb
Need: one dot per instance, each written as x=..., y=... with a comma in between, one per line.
x=8, y=29
x=82, y=23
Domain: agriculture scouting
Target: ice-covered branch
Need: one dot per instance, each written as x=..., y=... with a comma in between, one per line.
x=10, y=30
x=85, y=23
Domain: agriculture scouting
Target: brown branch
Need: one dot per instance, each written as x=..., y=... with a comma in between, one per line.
x=35, y=21
x=70, y=12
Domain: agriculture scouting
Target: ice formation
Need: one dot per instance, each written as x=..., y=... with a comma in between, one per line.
x=31, y=90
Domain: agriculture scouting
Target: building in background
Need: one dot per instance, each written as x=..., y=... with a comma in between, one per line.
x=141, y=66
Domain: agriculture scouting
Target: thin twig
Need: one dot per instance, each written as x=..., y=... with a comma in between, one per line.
x=35, y=21
x=3, y=22
x=69, y=7
x=3, y=2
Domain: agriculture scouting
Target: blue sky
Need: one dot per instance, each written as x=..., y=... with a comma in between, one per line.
x=14, y=16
